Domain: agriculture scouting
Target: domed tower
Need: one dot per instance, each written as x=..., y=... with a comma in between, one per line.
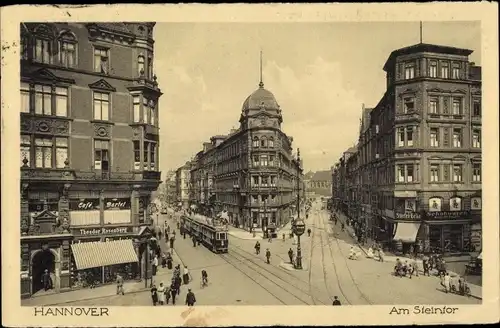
x=260, y=109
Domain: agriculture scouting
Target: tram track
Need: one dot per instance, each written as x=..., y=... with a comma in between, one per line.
x=337, y=267
x=278, y=291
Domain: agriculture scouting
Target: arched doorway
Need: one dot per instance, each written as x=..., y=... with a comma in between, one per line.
x=42, y=260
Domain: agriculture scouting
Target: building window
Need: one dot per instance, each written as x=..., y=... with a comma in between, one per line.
x=271, y=160
x=101, y=106
x=26, y=149
x=25, y=97
x=410, y=173
x=150, y=67
x=101, y=155
x=152, y=166
x=255, y=180
x=409, y=136
x=43, y=99
x=401, y=173
x=43, y=152
x=271, y=142
x=409, y=104
x=434, y=135
x=435, y=173
x=145, y=158
x=137, y=155
x=409, y=71
x=149, y=110
x=445, y=70
x=457, y=138
x=256, y=161
x=140, y=65
x=457, y=106
x=61, y=152
x=476, y=107
x=457, y=173
x=264, y=181
x=433, y=105
x=273, y=181
x=61, y=102
x=401, y=137
x=455, y=71
x=42, y=51
x=263, y=160
x=476, y=138
x=24, y=47
x=433, y=69
x=101, y=60
x=263, y=142
x=137, y=108
x=255, y=142
x=67, y=47
x=476, y=172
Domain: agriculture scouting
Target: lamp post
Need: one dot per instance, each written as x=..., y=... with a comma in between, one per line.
x=298, y=226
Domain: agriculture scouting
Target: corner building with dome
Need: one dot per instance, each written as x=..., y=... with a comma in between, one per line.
x=251, y=172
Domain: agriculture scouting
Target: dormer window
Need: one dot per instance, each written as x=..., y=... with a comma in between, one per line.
x=43, y=38
x=101, y=60
x=67, y=49
x=409, y=71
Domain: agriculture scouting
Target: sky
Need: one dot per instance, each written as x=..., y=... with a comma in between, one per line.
x=320, y=73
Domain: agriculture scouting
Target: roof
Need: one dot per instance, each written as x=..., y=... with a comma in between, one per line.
x=353, y=149
x=366, y=118
x=322, y=176
x=260, y=97
x=308, y=175
x=475, y=73
x=114, y=27
x=425, y=47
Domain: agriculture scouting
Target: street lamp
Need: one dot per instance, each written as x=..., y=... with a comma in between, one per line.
x=298, y=225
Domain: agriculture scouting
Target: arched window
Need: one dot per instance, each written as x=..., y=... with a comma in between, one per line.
x=255, y=142
x=271, y=142
x=68, y=49
x=140, y=65
x=43, y=42
x=150, y=67
x=263, y=142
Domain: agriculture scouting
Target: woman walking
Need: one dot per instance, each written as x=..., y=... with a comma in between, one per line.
x=154, y=295
x=161, y=293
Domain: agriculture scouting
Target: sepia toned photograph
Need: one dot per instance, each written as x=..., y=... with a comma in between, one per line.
x=191, y=164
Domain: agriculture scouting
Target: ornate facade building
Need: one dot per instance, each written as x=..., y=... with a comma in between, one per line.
x=420, y=152
x=250, y=172
x=89, y=149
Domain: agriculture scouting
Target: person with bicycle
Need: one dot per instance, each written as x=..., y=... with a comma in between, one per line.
x=204, y=278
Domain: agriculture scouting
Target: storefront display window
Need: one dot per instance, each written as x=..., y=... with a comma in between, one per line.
x=452, y=236
x=435, y=238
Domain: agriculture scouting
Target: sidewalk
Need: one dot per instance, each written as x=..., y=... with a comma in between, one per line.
x=130, y=287
x=246, y=235
x=476, y=291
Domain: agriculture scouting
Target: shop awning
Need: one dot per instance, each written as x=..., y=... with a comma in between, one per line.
x=98, y=254
x=406, y=231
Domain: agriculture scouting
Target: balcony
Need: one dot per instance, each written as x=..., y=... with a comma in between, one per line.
x=400, y=118
x=48, y=174
x=71, y=175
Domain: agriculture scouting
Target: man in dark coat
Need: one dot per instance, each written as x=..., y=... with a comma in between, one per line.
x=194, y=241
x=178, y=283
x=190, y=298
x=336, y=301
x=268, y=256
x=46, y=280
x=172, y=242
x=290, y=255
x=173, y=291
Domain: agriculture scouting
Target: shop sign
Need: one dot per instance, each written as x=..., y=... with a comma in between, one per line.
x=455, y=204
x=116, y=203
x=408, y=216
x=475, y=203
x=434, y=204
x=103, y=231
x=447, y=214
x=84, y=204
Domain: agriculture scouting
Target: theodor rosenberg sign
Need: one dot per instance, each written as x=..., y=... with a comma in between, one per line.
x=102, y=231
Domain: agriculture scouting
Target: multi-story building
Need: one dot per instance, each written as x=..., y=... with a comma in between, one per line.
x=341, y=181
x=89, y=148
x=182, y=185
x=250, y=172
x=319, y=184
x=423, y=150
x=352, y=185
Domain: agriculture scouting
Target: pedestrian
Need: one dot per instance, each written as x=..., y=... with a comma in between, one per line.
x=284, y=237
x=46, y=280
x=290, y=255
x=178, y=283
x=194, y=241
x=155, y=264
x=309, y=232
x=336, y=301
x=154, y=295
x=426, y=265
x=173, y=291
x=163, y=260
x=342, y=226
x=190, y=298
x=167, y=294
x=414, y=265
x=161, y=293
x=185, y=275
x=447, y=282
x=159, y=233
x=172, y=241
x=119, y=285
x=257, y=247
x=268, y=255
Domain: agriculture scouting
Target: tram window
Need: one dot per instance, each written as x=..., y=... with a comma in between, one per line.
x=222, y=235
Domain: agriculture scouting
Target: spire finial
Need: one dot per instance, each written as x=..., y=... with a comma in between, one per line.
x=261, y=84
x=420, y=31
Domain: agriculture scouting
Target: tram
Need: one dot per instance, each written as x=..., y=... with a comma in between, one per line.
x=210, y=232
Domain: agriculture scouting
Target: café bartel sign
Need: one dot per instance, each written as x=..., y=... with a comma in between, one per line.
x=116, y=203
x=84, y=204
x=103, y=231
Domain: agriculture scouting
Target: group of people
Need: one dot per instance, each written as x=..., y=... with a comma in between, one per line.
x=163, y=293
x=403, y=269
